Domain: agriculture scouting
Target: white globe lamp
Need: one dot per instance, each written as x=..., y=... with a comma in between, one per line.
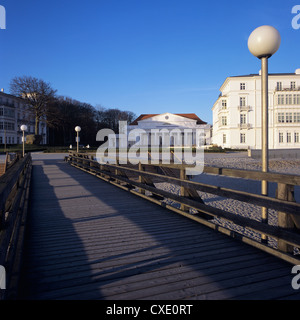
x=264, y=41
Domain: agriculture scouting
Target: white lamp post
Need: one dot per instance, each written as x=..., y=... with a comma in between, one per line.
x=77, y=129
x=263, y=42
x=23, y=128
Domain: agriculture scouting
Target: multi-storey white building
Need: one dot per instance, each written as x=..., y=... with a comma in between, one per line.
x=13, y=113
x=237, y=112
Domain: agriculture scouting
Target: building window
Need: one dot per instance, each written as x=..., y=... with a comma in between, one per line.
x=293, y=85
x=297, y=117
x=243, y=118
x=280, y=137
x=280, y=99
x=288, y=137
x=296, y=99
x=243, y=86
x=224, y=138
x=279, y=86
x=243, y=138
x=242, y=101
x=9, y=126
x=289, y=117
x=288, y=99
x=1, y=140
x=224, y=121
x=280, y=117
x=224, y=104
x=297, y=137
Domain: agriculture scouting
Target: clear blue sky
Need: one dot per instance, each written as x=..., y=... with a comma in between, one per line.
x=146, y=56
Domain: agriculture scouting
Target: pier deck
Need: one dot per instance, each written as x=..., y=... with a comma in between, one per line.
x=87, y=239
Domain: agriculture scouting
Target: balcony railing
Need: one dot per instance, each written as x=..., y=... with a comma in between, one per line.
x=287, y=89
x=245, y=126
x=244, y=108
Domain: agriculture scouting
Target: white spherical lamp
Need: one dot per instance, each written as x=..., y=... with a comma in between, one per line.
x=264, y=41
x=77, y=129
x=23, y=127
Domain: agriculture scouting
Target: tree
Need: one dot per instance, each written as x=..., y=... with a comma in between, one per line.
x=37, y=94
x=65, y=114
x=109, y=118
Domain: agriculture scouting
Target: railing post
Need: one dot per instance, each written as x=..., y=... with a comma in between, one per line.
x=285, y=192
x=183, y=191
x=117, y=172
x=141, y=180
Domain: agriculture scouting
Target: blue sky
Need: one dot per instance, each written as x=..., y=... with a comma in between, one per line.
x=146, y=56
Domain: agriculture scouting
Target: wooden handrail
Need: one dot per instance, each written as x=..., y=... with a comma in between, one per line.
x=229, y=172
x=272, y=203
x=139, y=177
x=14, y=193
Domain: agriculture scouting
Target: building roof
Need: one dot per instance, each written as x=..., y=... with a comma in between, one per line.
x=8, y=95
x=269, y=74
x=191, y=116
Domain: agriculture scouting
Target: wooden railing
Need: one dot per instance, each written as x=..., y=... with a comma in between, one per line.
x=141, y=179
x=10, y=160
x=14, y=195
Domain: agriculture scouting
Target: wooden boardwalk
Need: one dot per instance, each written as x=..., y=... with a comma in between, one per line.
x=87, y=239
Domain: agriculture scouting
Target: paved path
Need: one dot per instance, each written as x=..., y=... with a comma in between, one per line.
x=87, y=239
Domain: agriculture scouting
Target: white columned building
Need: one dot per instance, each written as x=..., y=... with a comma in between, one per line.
x=157, y=129
x=237, y=112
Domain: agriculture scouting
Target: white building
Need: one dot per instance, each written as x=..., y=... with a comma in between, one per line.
x=175, y=126
x=237, y=112
x=13, y=113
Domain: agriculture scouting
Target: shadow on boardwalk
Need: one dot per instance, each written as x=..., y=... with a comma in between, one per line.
x=87, y=239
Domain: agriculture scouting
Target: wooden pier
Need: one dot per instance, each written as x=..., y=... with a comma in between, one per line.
x=89, y=239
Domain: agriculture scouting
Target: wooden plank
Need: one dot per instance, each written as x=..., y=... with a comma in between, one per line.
x=151, y=278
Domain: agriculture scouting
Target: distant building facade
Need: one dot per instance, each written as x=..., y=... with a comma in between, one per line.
x=237, y=112
x=13, y=113
x=153, y=125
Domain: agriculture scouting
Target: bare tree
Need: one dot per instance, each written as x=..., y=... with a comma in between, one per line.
x=37, y=94
x=109, y=118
